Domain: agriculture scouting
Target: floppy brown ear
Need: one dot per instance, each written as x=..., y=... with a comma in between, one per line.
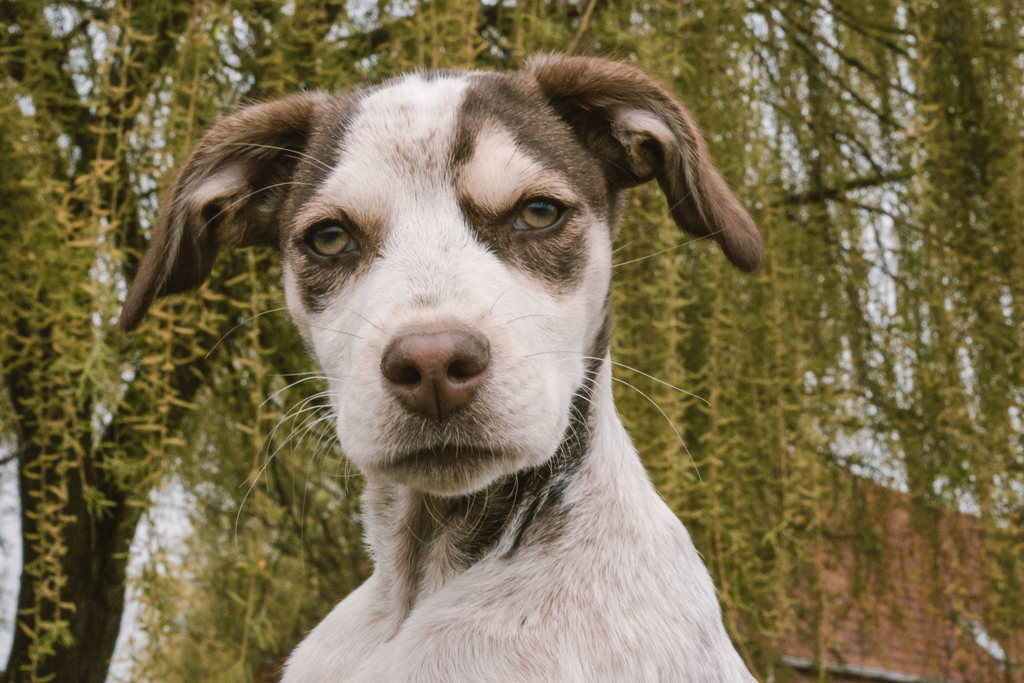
x=229, y=191
x=641, y=131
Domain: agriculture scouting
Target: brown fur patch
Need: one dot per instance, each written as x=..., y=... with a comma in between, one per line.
x=641, y=130
x=524, y=145
x=231, y=190
x=319, y=277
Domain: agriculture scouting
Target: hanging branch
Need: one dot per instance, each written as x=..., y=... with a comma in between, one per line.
x=823, y=194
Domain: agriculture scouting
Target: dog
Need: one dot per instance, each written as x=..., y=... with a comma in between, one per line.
x=446, y=244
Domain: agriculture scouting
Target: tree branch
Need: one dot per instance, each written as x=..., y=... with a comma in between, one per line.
x=837, y=193
x=584, y=22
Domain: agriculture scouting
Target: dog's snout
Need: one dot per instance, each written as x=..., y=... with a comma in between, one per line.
x=435, y=372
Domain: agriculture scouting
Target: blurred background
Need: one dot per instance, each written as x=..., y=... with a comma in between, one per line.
x=849, y=457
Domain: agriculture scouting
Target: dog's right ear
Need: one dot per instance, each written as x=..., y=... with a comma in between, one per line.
x=641, y=131
x=229, y=191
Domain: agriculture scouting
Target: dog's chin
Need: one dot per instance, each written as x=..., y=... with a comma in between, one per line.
x=447, y=470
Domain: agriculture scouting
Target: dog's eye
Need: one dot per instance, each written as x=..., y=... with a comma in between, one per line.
x=332, y=239
x=537, y=215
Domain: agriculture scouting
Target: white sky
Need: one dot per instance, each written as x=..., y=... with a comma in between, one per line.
x=10, y=552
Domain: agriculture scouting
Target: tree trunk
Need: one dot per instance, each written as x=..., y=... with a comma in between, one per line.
x=96, y=543
x=94, y=564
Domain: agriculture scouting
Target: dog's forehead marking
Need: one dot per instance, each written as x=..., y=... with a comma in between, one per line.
x=500, y=171
x=496, y=168
x=414, y=115
x=397, y=148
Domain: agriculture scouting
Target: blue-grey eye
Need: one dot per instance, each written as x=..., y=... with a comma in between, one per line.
x=538, y=214
x=332, y=239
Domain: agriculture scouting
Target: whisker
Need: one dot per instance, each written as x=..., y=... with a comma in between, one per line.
x=663, y=382
x=320, y=450
x=365, y=318
x=618, y=249
x=284, y=149
x=491, y=309
x=670, y=424
x=627, y=367
x=663, y=251
x=328, y=329
x=689, y=193
x=289, y=386
x=258, y=315
x=531, y=315
x=251, y=194
x=266, y=463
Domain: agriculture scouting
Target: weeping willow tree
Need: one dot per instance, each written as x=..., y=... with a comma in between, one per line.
x=878, y=144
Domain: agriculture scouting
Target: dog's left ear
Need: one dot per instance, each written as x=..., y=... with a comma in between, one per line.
x=640, y=131
x=229, y=192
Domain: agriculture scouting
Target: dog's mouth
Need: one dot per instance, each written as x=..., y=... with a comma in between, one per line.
x=448, y=457
x=446, y=470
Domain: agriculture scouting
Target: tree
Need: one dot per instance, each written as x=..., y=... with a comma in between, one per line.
x=878, y=144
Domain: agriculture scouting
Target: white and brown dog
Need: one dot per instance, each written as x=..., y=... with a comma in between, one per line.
x=470, y=217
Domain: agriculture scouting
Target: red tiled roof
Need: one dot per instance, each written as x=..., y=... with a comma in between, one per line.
x=918, y=615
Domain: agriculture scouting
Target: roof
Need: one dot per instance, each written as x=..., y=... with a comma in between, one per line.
x=916, y=610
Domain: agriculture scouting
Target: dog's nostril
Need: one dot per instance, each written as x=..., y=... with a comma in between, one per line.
x=461, y=369
x=408, y=375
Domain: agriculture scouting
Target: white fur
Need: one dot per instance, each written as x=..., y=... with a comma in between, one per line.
x=622, y=595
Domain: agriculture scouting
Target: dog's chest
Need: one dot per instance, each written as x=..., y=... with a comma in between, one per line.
x=632, y=607
x=484, y=627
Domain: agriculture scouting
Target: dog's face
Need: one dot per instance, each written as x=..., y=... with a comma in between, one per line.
x=461, y=232
x=446, y=244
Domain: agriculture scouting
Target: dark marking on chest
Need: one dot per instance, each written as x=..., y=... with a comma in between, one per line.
x=528, y=506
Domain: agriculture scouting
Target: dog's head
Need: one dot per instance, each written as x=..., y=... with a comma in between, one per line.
x=446, y=243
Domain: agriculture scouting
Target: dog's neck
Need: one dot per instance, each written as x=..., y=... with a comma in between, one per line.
x=419, y=542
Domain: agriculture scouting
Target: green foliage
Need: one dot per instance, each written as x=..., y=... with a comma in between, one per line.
x=879, y=146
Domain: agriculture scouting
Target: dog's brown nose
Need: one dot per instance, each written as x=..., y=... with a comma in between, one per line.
x=435, y=372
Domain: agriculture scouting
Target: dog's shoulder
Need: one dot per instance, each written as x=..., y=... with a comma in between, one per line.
x=605, y=612
x=345, y=639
